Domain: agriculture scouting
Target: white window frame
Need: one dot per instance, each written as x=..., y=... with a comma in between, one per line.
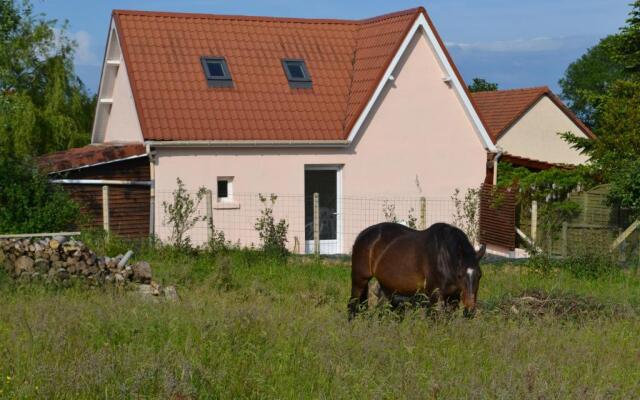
x=229, y=198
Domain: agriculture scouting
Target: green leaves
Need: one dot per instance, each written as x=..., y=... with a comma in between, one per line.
x=588, y=79
x=482, y=85
x=627, y=50
x=182, y=214
x=604, y=89
x=550, y=188
x=29, y=203
x=44, y=107
x=616, y=154
x=273, y=235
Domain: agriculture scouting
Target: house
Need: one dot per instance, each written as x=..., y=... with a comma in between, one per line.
x=247, y=105
x=356, y=111
x=524, y=125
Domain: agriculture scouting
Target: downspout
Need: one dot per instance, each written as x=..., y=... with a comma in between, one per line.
x=152, y=193
x=495, y=166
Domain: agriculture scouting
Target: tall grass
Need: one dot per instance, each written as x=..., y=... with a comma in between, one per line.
x=254, y=327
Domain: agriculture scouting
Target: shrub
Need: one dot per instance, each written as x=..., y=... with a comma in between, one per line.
x=591, y=265
x=389, y=211
x=273, y=235
x=29, y=203
x=181, y=214
x=585, y=263
x=218, y=241
x=412, y=220
x=467, y=213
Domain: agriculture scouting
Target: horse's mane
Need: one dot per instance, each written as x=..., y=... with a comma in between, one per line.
x=450, y=249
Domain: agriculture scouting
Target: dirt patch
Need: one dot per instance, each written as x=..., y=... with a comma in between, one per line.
x=538, y=304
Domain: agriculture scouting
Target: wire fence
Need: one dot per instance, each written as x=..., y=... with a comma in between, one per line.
x=340, y=219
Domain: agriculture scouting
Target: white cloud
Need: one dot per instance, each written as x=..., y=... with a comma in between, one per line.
x=518, y=45
x=84, y=54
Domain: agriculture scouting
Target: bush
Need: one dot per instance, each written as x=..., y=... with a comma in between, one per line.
x=590, y=265
x=389, y=211
x=273, y=236
x=29, y=203
x=218, y=241
x=181, y=214
x=467, y=213
x=584, y=264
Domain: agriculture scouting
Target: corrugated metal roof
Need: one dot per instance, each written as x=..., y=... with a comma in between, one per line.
x=88, y=155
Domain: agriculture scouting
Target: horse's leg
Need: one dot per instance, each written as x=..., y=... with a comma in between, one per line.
x=435, y=299
x=451, y=302
x=359, y=294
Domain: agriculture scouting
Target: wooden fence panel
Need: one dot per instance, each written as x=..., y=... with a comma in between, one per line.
x=128, y=208
x=497, y=217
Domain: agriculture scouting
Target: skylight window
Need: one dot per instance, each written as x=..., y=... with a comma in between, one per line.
x=216, y=71
x=297, y=73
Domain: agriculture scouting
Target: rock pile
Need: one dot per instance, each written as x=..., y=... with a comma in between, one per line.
x=61, y=258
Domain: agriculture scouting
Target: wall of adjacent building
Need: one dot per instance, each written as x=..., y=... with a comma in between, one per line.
x=535, y=135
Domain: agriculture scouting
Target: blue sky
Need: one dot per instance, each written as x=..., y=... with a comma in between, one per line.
x=516, y=43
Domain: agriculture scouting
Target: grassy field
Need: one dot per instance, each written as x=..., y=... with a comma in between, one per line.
x=251, y=327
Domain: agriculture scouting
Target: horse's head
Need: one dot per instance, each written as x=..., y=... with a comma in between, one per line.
x=469, y=275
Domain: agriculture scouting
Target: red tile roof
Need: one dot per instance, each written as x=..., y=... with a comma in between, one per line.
x=88, y=155
x=533, y=164
x=501, y=109
x=346, y=60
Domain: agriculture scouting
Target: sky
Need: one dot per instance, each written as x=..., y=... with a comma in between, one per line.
x=515, y=43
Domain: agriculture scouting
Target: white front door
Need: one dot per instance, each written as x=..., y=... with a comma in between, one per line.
x=325, y=181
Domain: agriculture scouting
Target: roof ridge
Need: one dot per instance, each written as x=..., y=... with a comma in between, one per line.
x=409, y=11
x=527, y=89
x=239, y=17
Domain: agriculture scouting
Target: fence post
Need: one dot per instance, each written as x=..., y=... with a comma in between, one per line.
x=565, y=229
x=296, y=245
x=534, y=221
x=209, y=197
x=423, y=213
x=316, y=224
x=105, y=208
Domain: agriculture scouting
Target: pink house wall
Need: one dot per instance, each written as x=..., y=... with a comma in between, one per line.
x=418, y=141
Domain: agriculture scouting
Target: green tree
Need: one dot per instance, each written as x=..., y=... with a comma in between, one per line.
x=482, y=85
x=589, y=78
x=29, y=203
x=616, y=153
x=627, y=49
x=44, y=107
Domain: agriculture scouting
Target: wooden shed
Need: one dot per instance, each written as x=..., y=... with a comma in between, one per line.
x=112, y=181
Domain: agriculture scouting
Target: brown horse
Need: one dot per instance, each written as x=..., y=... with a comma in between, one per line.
x=438, y=262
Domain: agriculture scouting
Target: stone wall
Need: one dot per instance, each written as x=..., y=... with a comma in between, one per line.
x=61, y=258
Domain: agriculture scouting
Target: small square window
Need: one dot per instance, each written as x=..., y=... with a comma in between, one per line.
x=297, y=73
x=216, y=71
x=225, y=189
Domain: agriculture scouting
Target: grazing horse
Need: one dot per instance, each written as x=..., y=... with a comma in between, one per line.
x=438, y=262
